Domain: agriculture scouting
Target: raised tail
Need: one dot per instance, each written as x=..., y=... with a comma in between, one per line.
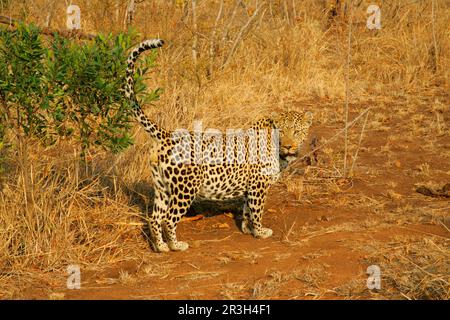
x=148, y=125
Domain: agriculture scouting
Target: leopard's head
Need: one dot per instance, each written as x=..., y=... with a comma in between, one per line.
x=294, y=127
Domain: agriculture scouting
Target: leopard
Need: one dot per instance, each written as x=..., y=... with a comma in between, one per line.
x=185, y=165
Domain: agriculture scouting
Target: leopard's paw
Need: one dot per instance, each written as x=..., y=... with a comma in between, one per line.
x=178, y=246
x=161, y=247
x=263, y=233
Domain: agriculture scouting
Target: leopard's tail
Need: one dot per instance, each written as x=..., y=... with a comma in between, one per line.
x=148, y=125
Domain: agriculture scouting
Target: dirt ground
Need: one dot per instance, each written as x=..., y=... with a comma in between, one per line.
x=327, y=230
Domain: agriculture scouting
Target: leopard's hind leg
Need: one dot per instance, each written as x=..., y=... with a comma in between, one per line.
x=160, y=206
x=155, y=221
x=182, y=193
x=179, y=205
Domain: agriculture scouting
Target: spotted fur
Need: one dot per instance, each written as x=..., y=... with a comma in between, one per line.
x=177, y=183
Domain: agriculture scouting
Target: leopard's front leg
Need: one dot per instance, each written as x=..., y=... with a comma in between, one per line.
x=256, y=199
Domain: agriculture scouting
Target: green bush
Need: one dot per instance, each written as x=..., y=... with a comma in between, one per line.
x=68, y=89
x=22, y=69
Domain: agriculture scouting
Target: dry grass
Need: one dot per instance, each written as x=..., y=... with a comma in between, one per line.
x=53, y=212
x=414, y=268
x=411, y=268
x=269, y=287
x=301, y=282
x=312, y=275
x=232, y=290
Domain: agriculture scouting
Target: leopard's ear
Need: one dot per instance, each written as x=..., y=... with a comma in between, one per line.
x=274, y=119
x=275, y=116
x=309, y=116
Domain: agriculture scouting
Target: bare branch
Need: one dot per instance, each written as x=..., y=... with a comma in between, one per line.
x=194, y=26
x=212, y=51
x=347, y=90
x=244, y=30
x=50, y=32
x=233, y=15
